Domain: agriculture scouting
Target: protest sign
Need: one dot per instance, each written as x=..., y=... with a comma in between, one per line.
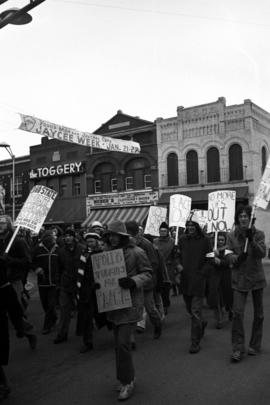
x=51, y=130
x=108, y=267
x=36, y=208
x=180, y=206
x=221, y=210
x=156, y=216
x=201, y=217
x=262, y=196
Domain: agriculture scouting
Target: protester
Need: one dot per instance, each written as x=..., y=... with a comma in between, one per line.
x=45, y=264
x=69, y=259
x=194, y=246
x=9, y=306
x=18, y=262
x=97, y=227
x=124, y=320
x=86, y=297
x=247, y=275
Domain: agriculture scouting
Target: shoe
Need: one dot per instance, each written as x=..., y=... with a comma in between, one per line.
x=120, y=386
x=236, y=356
x=194, y=348
x=32, y=339
x=60, y=339
x=252, y=352
x=204, y=324
x=46, y=331
x=126, y=391
x=86, y=348
x=157, y=331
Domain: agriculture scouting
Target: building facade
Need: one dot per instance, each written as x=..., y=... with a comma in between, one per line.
x=211, y=147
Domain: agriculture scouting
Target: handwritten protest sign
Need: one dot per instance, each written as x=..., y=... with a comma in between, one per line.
x=51, y=130
x=156, y=216
x=262, y=196
x=221, y=210
x=201, y=217
x=108, y=267
x=36, y=208
x=180, y=206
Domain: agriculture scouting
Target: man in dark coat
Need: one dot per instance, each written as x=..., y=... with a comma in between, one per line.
x=69, y=259
x=193, y=247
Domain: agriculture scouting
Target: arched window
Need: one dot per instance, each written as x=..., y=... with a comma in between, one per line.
x=137, y=175
x=192, y=167
x=236, y=162
x=263, y=158
x=213, y=169
x=172, y=169
x=104, y=178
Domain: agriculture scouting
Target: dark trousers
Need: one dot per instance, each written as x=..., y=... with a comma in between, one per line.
x=124, y=364
x=85, y=325
x=238, y=332
x=48, y=298
x=194, y=306
x=66, y=301
x=151, y=309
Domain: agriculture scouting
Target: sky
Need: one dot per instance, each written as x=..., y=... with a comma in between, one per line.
x=79, y=61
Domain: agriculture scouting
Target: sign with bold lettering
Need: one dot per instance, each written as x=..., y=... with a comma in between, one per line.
x=51, y=130
x=221, y=210
x=262, y=196
x=108, y=267
x=59, y=170
x=180, y=206
x=36, y=208
x=156, y=216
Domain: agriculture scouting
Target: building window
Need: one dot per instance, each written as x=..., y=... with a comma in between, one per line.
x=147, y=181
x=97, y=185
x=76, y=185
x=192, y=167
x=136, y=169
x=63, y=190
x=17, y=186
x=129, y=183
x=114, y=185
x=213, y=169
x=264, y=160
x=172, y=169
x=235, y=162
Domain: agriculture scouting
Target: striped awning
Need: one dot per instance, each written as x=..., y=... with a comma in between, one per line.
x=106, y=216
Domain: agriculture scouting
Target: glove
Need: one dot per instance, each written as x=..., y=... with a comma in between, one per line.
x=241, y=259
x=97, y=286
x=249, y=234
x=127, y=283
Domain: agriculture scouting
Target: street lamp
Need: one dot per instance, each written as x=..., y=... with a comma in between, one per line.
x=8, y=148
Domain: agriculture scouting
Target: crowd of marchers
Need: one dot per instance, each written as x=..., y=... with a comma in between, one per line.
x=220, y=273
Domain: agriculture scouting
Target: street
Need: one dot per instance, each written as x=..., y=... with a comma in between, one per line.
x=165, y=372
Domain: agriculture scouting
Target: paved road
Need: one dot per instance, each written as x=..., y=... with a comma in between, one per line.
x=166, y=373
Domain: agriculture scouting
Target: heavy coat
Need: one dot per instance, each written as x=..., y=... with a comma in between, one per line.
x=46, y=258
x=166, y=246
x=250, y=274
x=69, y=260
x=193, y=250
x=139, y=269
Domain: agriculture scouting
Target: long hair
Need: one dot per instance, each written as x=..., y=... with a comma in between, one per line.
x=240, y=209
x=10, y=226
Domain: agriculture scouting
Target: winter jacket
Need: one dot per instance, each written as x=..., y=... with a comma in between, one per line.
x=46, y=258
x=69, y=260
x=249, y=275
x=85, y=278
x=193, y=250
x=167, y=248
x=139, y=269
x=149, y=249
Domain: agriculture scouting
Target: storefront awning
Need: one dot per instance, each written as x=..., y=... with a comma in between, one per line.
x=199, y=196
x=106, y=216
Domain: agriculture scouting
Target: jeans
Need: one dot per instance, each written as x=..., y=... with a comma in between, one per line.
x=238, y=332
x=124, y=364
x=194, y=306
x=48, y=298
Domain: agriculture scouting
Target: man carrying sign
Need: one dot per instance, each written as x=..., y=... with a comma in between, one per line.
x=124, y=320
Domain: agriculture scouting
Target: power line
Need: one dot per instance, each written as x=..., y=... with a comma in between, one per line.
x=164, y=12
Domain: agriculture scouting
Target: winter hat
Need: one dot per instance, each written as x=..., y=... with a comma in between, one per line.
x=92, y=235
x=97, y=224
x=69, y=231
x=164, y=225
x=117, y=227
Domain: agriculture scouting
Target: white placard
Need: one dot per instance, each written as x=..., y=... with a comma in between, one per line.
x=108, y=267
x=180, y=206
x=221, y=211
x=156, y=216
x=201, y=216
x=262, y=196
x=36, y=208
